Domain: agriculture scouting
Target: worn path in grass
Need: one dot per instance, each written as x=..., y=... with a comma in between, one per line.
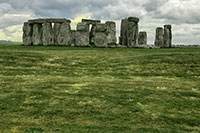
x=66, y=89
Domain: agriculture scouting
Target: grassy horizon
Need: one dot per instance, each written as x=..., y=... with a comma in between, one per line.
x=71, y=89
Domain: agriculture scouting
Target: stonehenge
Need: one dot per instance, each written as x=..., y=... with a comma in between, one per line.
x=92, y=33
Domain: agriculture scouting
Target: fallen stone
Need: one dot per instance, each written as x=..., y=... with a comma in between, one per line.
x=145, y=46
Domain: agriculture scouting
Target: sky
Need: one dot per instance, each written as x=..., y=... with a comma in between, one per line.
x=183, y=15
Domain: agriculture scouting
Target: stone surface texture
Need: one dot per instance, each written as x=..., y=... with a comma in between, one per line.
x=167, y=36
x=27, y=34
x=159, y=41
x=129, y=32
x=142, y=38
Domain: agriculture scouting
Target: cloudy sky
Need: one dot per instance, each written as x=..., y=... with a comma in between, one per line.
x=184, y=15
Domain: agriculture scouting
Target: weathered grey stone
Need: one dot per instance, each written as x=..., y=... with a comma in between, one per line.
x=101, y=39
x=37, y=34
x=145, y=46
x=82, y=27
x=48, y=34
x=167, y=36
x=142, y=38
x=111, y=29
x=56, y=30
x=133, y=19
x=101, y=28
x=124, y=32
x=82, y=34
x=81, y=39
x=159, y=41
x=49, y=20
x=90, y=21
x=129, y=32
x=65, y=35
x=101, y=35
x=27, y=34
x=132, y=34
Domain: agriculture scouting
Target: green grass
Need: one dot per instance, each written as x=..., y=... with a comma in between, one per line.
x=69, y=89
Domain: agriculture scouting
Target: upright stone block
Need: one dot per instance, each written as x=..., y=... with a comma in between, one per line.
x=37, y=34
x=142, y=40
x=82, y=35
x=129, y=32
x=159, y=41
x=124, y=32
x=111, y=29
x=48, y=34
x=167, y=36
x=65, y=34
x=101, y=35
x=27, y=34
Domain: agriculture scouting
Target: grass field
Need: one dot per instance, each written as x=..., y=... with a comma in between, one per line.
x=66, y=89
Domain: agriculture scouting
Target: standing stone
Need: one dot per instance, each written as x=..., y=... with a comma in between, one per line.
x=48, y=34
x=37, y=34
x=159, y=41
x=129, y=32
x=27, y=33
x=142, y=40
x=101, y=35
x=124, y=32
x=111, y=32
x=65, y=34
x=56, y=30
x=82, y=35
x=167, y=36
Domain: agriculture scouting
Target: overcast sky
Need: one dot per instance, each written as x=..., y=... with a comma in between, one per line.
x=184, y=15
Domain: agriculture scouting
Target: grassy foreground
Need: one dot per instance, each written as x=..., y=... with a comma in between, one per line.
x=65, y=89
